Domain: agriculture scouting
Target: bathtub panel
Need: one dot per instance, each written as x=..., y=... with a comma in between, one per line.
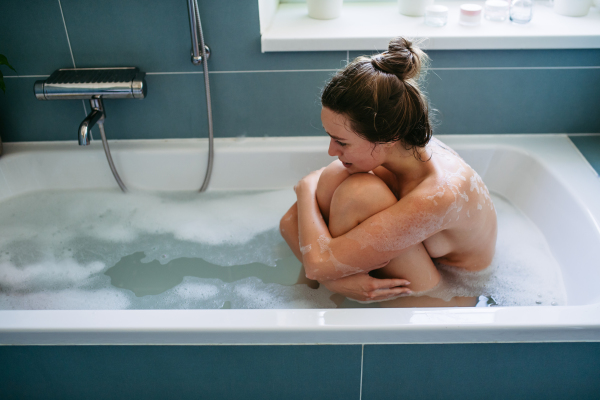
x=181, y=372
x=482, y=371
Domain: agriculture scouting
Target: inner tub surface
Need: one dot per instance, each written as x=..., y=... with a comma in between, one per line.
x=558, y=210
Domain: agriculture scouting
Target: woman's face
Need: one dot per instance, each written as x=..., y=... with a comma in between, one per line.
x=357, y=154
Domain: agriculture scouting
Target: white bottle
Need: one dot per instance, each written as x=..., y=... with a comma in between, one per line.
x=324, y=9
x=413, y=8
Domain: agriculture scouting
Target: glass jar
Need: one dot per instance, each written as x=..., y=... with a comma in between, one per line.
x=496, y=10
x=436, y=15
x=521, y=11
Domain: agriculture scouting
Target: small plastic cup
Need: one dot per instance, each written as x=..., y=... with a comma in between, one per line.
x=496, y=10
x=436, y=15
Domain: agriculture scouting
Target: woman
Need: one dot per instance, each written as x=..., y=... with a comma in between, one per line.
x=373, y=224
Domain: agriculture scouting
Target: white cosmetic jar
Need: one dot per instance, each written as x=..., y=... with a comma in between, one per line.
x=496, y=10
x=470, y=14
x=413, y=8
x=324, y=9
x=572, y=8
x=436, y=15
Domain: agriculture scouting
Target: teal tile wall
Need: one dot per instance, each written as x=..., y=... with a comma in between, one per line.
x=527, y=91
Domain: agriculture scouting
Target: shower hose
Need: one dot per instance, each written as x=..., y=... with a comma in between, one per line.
x=208, y=109
x=208, y=100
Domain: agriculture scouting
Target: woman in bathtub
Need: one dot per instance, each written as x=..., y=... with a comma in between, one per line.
x=373, y=224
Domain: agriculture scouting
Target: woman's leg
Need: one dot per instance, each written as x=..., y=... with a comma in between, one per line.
x=362, y=195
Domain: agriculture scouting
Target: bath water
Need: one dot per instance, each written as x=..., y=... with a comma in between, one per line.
x=105, y=250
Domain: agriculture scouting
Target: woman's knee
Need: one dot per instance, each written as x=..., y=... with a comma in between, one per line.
x=363, y=193
x=357, y=198
x=331, y=178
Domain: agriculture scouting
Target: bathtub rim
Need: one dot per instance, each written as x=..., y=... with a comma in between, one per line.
x=301, y=326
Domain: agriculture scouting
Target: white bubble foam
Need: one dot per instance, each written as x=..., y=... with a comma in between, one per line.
x=56, y=248
x=523, y=272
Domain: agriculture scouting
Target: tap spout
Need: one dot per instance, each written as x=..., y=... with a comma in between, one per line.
x=96, y=117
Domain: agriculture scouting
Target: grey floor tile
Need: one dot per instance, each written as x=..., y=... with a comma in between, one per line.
x=482, y=371
x=33, y=38
x=181, y=372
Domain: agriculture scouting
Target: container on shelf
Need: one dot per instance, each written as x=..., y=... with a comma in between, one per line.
x=436, y=15
x=470, y=15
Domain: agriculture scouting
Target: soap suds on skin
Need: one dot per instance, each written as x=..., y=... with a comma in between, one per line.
x=346, y=269
x=305, y=249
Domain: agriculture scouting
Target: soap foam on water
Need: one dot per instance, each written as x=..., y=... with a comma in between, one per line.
x=523, y=271
x=56, y=247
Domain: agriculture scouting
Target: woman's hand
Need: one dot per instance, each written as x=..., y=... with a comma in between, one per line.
x=309, y=182
x=363, y=287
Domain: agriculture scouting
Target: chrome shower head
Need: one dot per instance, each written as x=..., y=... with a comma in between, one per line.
x=89, y=83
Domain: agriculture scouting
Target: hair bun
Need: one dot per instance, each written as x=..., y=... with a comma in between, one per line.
x=401, y=59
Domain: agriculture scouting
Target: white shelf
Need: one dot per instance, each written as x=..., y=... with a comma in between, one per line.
x=370, y=26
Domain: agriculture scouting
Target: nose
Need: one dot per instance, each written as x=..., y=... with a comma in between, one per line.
x=333, y=149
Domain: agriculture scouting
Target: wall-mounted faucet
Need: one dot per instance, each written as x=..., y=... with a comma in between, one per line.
x=94, y=84
x=96, y=116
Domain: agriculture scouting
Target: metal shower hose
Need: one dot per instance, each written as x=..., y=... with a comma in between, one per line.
x=208, y=98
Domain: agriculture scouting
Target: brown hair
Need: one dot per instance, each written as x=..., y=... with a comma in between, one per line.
x=381, y=97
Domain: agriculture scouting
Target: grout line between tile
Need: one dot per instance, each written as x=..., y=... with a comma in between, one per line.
x=362, y=356
x=70, y=49
x=504, y=68
x=67, y=33
x=26, y=76
x=324, y=70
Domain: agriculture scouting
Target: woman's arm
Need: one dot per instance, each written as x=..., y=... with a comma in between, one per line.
x=362, y=287
x=371, y=244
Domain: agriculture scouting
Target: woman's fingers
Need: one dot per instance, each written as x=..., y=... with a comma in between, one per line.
x=388, y=294
x=377, y=284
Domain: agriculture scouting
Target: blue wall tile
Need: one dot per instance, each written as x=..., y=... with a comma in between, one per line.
x=24, y=118
x=507, y=58
x=154, y=35
x=590, y=148
x=516, y=101
x=482, y=371
x=175, y=107
x=32, y=37
x=180, y=372
x=268, y=104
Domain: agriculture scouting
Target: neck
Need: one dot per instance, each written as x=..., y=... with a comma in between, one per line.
x=406, y=165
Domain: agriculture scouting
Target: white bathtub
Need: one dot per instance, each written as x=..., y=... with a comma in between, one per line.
x=556, y=188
